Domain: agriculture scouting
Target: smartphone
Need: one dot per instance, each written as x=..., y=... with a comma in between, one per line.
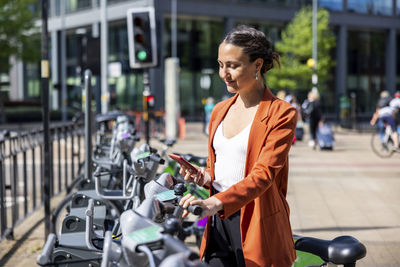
x=183, y=162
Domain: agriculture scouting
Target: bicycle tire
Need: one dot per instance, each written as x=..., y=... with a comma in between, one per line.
x=380, y=149
x=73, y=185
x=60, y=212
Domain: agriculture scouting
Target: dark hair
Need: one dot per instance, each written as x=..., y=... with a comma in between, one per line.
x=254, y=44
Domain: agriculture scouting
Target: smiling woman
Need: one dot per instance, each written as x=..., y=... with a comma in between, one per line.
x=247, y=167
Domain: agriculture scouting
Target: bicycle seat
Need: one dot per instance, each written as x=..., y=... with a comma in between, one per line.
x=341, y=250
x=168, y=142
x=111, y=116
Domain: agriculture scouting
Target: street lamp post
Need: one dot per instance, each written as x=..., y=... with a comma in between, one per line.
x=104, y=57
x=63, y=43
x=314, y=45
x=174, y=28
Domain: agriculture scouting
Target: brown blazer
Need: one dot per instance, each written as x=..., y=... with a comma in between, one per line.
x=261, y=196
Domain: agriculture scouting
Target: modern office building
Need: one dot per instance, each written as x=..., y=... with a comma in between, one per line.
x=367, y=51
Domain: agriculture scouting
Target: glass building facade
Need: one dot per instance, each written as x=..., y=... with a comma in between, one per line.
x=197, y=48
x=366, y=67
x=367, y=49
x=398, y=62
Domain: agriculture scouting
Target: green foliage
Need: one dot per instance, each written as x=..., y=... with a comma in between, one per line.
x=295, y=48
x=18, y=35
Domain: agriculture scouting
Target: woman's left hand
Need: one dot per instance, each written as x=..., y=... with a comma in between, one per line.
x=210, y=205
x=201, y=177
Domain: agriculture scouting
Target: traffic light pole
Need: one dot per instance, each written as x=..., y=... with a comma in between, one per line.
x=146, y=93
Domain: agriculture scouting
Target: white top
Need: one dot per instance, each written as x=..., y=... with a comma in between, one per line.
x=385, y=112
x=395, y=103
x=230, y=157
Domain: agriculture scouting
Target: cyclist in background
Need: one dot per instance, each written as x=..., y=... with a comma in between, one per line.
x=384, y=114
x=395, y=104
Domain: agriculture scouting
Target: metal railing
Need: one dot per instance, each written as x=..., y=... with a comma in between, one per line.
x=22, y=166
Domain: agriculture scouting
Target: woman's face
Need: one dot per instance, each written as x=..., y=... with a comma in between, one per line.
x=235, y=69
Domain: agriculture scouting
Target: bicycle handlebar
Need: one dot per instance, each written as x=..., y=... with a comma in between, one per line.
x=195, y=209
x=157, y=158
x=169, y=208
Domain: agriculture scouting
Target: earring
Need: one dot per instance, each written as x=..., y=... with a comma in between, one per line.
x=256, y=76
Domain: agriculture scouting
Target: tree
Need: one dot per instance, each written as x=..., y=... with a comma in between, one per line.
x=19, y=36
x=295, y=48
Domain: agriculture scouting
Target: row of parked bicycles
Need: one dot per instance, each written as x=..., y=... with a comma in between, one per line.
x=124, y=210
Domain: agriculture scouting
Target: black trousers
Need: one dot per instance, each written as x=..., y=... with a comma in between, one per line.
x=225, y=246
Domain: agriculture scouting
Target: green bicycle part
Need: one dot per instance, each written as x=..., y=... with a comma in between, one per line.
x=170, y=169
x=143, y=155
x=196, y=190
x=305, y=259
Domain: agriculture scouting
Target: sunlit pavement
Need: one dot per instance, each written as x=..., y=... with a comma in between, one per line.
x=347, y=191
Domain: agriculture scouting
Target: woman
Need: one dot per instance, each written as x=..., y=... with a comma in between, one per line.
x=247, y=168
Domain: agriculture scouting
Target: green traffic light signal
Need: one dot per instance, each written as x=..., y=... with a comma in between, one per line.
x=141, y=55
x=142, y=37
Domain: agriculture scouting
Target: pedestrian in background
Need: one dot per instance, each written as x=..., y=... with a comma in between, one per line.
x=281, y=94
x=313, y=113
x=291, y=99
x=247, y=167
x=208, y=107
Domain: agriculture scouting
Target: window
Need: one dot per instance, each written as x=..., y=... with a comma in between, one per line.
x=336, y=5
x=285, y=3
x=32, y=80
x=375, y=7
x=366, y=67
x=125, y=90
x=77, y=5
x=198, y=41
x=398, y=8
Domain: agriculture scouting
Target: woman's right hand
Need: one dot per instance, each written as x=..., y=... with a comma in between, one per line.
x=201, y=177
x=210, y=205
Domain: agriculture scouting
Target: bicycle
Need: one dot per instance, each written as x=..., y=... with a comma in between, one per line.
x=381, y=141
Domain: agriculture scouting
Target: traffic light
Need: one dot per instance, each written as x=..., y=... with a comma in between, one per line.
x=150, y=101
x=142, y=37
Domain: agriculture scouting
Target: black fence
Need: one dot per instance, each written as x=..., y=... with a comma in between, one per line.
x=22, y=166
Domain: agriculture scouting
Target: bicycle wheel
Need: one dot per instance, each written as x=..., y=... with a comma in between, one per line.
x=381, y=148
x=59, y=214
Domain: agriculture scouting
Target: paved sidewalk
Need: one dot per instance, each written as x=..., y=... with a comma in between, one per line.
x=347, y=191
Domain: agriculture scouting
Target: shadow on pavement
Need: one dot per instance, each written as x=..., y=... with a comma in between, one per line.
x=19, y=243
